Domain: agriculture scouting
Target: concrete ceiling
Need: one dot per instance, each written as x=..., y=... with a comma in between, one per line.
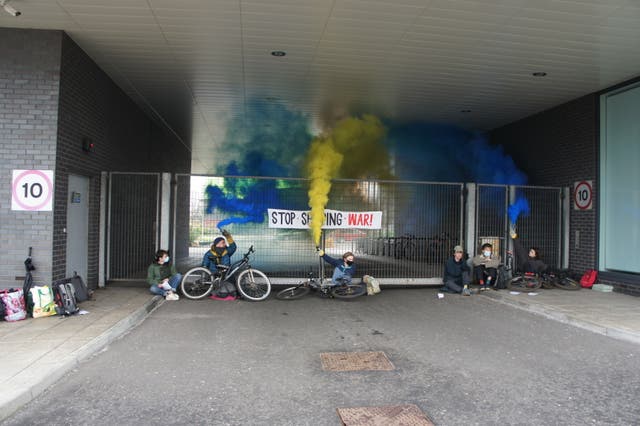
x=195, y=64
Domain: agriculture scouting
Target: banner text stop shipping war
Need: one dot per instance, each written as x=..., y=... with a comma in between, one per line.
x=333, y=219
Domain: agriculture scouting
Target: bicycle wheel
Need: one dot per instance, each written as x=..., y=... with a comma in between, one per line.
x=198, y=283
x=254, y=285
x=524, y=284
x=549, y=281
x=348, y=291
x=295, y=292
x=567, y=284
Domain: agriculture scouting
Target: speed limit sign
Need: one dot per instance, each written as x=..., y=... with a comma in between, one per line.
x=583, y=195
x=32, y=190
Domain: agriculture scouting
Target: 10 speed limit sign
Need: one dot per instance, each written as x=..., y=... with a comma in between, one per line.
x=583, y=195
x=32, y=190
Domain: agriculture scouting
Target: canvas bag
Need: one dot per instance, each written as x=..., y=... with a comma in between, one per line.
x=13, y=307
x=373, y=285
x=44, y=304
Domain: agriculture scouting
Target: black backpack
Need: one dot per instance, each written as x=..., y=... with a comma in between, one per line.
x=226, y=289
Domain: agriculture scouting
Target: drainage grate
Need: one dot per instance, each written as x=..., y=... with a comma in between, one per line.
x=391, y=415
x=355, y=361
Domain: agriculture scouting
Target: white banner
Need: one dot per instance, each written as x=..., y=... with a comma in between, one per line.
x=333, y=219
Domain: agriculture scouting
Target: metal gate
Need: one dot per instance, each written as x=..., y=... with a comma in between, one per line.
x=132, y=223
x=541, y=226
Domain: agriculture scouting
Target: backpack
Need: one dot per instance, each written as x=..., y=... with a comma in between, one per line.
x=589, y=278
x=65, y=297
x=502, y=278
x=226, y=290
x=12, y=306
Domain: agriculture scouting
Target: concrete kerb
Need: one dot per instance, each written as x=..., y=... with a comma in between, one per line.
x=538, y=309
x=47, y=374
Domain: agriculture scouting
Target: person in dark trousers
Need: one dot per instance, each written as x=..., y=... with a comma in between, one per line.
x=220, y=253
x=485, y=267
x=163, y=277
x=527, y=261
x=457, y=273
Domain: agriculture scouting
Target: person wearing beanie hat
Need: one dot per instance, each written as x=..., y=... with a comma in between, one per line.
x=457, y=274
x=220, y=253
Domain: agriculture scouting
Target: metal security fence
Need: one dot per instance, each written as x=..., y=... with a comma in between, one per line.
x=132, y=224
x=421, y=222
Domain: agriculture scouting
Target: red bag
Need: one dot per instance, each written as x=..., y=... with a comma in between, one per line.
x=589, y=278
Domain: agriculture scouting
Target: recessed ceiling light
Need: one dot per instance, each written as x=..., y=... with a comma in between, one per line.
x=539, y=74
x=278, y=53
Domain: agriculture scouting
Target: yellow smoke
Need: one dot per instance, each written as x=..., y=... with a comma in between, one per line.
x=323, y=163
x=357, y=141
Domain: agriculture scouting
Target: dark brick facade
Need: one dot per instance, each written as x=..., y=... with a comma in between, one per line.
x=559, y=147
x=56, y=96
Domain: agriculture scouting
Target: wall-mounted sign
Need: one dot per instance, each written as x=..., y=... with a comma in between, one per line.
x=32, y=190
x=583, y=195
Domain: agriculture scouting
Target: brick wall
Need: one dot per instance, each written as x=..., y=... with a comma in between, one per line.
x=558, y=147
x=51, y=96
x=29, y=69
x=92, y=106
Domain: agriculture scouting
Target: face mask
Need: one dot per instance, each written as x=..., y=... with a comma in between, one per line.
x=219, y=250
x=166, y=260
x=349, y=262
x=486, y=253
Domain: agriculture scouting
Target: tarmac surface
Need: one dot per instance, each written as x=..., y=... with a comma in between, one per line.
x=36, y=353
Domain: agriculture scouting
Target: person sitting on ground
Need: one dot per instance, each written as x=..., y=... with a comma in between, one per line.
x=528, y=262
x=220, y=253
x=345, y=268
x=485, y=267
x=457, y=273
x=163, y=277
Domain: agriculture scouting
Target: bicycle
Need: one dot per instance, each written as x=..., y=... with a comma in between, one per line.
x=561, y=280
x=254, y=285
x=346, y=290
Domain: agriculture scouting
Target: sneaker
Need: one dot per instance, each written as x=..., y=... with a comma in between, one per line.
x=172, y=296
x=466, y=292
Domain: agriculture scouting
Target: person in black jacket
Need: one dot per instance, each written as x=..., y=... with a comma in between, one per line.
x=457, y=274
x=528, y=262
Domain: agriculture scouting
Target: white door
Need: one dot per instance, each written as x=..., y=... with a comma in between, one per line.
x=77, y=226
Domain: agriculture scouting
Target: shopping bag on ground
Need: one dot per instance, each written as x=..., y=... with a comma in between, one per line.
x=373, y=285
x=12, y=305
x=44, y=304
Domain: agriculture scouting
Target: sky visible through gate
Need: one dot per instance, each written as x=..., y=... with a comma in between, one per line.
x=271, y=140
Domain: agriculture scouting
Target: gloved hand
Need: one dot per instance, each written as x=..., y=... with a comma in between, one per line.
x=226, y=233
x=514, y=235
x=320, y=253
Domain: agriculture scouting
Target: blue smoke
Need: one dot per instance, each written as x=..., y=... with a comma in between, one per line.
x=445, y=153
x=519, y=206
x=264, y=140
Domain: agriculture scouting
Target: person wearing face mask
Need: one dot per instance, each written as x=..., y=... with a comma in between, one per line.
x=485, y=267
x=344, y=270
x=163, y=277
x=221, y=251
x=527, y=261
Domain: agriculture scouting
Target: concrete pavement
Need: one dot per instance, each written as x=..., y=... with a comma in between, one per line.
x=38, y=352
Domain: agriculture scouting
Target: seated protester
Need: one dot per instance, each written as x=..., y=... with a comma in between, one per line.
x=220, y=253
x=528, y=262
x=163, y=277
x=485, y=267
x=344, y=270
x=457, y=273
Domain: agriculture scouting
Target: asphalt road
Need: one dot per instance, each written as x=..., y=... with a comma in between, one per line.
x=462, y=360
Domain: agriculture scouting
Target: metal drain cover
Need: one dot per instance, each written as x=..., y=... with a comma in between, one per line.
x=391, y=415
x=355, y=361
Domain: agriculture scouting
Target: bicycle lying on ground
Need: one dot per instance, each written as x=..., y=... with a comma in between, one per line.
x=340, y=291
x=199, y=282
x=529, y=282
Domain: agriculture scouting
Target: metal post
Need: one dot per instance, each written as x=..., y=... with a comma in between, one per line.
x=165, y=211
x=565, y=209
x=102, y=233
x=472, y=197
